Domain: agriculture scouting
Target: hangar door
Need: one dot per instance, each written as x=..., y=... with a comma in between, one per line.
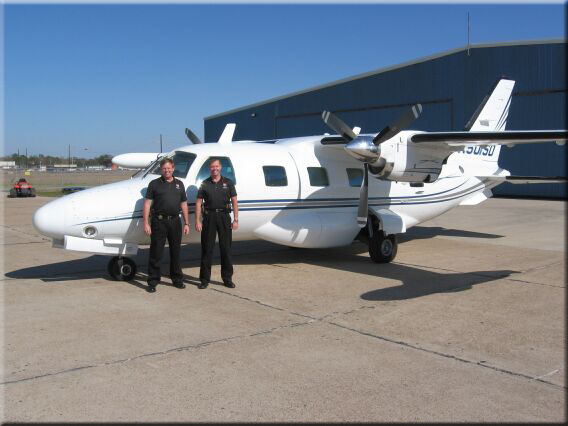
x=436, y=116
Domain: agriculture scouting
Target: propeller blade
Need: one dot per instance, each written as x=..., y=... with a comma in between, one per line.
x=339, y=126
x=192, y=137
x=363, y=210
x=402, y=123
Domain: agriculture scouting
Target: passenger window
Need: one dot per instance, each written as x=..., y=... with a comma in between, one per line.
x=275, y=176
x=355, y=177
x=318, y=176
x=227, y=170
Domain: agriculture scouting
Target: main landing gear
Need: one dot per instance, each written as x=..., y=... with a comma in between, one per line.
x=382, y=247
x=121, y=268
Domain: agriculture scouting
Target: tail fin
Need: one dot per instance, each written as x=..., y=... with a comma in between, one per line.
x=490, y=116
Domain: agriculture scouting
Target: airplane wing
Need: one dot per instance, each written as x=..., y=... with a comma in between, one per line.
x=525, y=179
x=510, y=137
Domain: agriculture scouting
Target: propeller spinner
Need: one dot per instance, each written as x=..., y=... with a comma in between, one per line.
x=366, y=148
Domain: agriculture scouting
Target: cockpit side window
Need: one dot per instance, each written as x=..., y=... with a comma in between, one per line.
x=182, y=161
x=227, y=170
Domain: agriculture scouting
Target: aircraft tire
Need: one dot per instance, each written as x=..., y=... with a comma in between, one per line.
x=382, y=249
x=121, y=269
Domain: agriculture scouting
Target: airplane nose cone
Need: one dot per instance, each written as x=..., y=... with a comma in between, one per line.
x=49, y=220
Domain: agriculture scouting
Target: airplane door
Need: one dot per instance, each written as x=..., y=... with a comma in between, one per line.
x=281, y=179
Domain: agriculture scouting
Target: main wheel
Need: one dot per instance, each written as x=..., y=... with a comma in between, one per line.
x=121, y=268
x=382, y=248
x=32, y=192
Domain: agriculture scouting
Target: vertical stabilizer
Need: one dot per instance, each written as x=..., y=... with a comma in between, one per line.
x=490, y=116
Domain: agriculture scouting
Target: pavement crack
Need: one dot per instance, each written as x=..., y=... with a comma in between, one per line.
x=25, y=243
x=258, y=302
x=494, y=276
x=450, y=356
x=160, y=353
x=533, y=283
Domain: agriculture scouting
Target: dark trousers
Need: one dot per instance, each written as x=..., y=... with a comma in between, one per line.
x=169, y=229
x=216, y=223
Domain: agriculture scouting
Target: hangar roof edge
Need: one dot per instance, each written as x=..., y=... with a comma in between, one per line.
x=389, y=68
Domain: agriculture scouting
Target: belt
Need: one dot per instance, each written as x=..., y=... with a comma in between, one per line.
x=166, y=216
x=218, y=210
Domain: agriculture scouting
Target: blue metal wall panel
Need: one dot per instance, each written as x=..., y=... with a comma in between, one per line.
x=450, y=88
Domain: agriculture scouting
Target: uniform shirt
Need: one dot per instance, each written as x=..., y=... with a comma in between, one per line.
x=217, y=195
x=167, y=196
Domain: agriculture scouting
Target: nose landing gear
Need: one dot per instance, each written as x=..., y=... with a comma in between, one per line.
x=121, y=268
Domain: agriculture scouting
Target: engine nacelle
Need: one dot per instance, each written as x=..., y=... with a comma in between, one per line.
x=403, y=161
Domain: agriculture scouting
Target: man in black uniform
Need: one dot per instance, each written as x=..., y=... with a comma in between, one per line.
x=164, y=199
x=216, y=192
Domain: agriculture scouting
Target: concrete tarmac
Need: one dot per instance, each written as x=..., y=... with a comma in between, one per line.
x=466, y=325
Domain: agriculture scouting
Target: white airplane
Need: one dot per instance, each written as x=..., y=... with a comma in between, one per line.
x=311, y=191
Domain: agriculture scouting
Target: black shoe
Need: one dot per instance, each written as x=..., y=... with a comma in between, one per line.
x=151, y=289
x=203, y=284
x=179, y=285
x=230, y=284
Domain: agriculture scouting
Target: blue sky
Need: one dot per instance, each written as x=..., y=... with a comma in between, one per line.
x=112, y=78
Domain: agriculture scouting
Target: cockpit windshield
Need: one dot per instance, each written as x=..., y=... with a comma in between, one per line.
x=182, y=162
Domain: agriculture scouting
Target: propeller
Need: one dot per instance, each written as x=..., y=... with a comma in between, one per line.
x=192, y=137
x=363, y=209
x=402, y=123
x=366, y=149
x=338, y=125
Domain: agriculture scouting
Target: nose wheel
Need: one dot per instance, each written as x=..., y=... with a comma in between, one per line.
x=121, y=268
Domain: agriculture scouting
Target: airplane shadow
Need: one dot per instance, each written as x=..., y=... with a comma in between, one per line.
x=419, y=282
x=421, y=232
x=415, y=281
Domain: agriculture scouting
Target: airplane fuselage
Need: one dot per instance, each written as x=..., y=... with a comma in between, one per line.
x=295, y=192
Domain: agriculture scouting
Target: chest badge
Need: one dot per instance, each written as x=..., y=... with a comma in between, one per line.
x=224, y=185
x=177, y=185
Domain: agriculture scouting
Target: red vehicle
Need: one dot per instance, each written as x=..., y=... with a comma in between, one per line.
x=22, y=188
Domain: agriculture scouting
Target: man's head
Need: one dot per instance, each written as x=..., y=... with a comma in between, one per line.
x=167, y=167
x=215, y=167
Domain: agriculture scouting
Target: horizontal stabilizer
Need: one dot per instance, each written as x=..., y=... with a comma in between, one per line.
x=477, y=198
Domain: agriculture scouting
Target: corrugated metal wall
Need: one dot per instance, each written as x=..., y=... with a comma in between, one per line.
x=450, y=88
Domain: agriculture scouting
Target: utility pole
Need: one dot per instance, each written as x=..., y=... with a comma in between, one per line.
x=467, y=33
x=160, y=143
x=26, y=157
x=69, y=155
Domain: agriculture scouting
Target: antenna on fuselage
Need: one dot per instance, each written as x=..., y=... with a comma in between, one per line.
x=227, y=135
